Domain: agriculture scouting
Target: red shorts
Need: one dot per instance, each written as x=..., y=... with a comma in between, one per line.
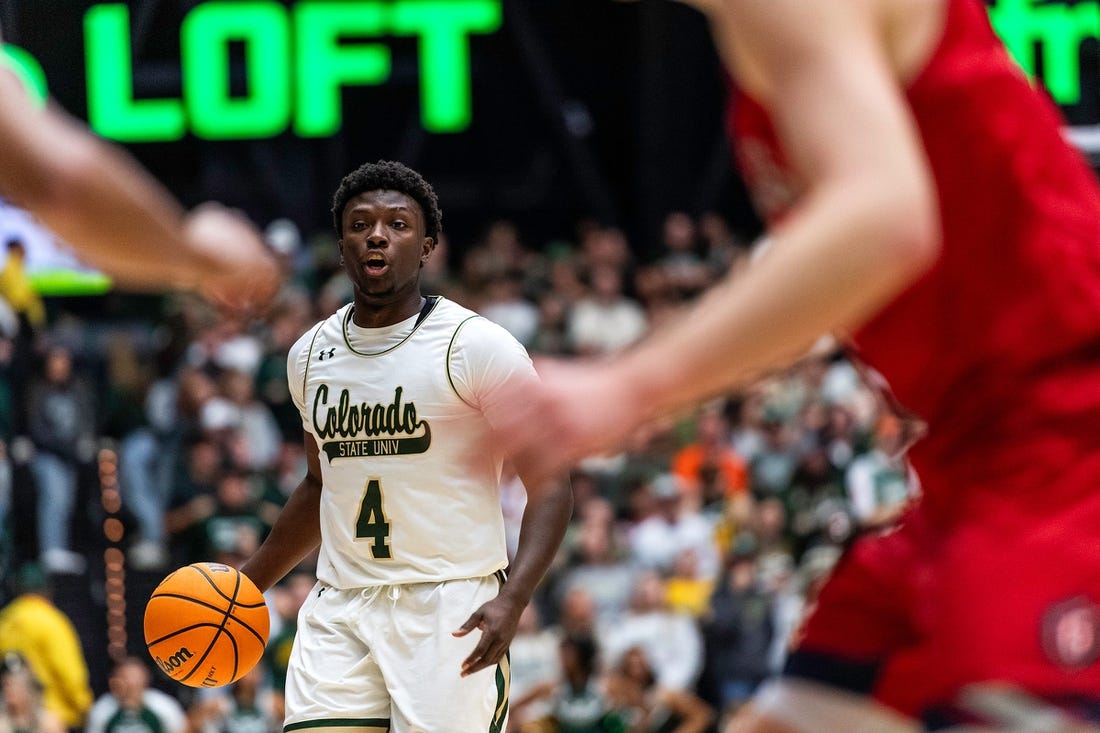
x=913, y=615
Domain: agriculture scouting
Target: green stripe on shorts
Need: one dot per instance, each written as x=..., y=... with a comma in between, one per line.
x=339, y=723
x=503, y=680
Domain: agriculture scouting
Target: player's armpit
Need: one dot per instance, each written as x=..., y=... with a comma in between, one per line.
x=865, y=227
x=827, y=78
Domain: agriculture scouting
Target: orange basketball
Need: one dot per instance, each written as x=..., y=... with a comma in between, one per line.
x=206, y=625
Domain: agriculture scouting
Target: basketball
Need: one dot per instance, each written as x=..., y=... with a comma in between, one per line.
x=206, y=625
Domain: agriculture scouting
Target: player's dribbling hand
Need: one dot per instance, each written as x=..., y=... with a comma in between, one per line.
x=243, y=274
x=497, y=620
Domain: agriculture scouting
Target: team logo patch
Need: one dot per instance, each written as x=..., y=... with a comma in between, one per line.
x=368, y=429
x=1071, y=633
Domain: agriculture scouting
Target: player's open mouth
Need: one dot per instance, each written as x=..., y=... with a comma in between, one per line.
x=375, y=265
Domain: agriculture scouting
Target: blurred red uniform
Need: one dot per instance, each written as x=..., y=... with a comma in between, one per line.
x=995, y=575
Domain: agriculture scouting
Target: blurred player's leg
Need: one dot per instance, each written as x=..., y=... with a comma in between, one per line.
x=794, y=706
x=799, y=706
x=1008, y=709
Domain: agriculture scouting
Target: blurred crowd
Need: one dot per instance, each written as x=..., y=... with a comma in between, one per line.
x=690, y=560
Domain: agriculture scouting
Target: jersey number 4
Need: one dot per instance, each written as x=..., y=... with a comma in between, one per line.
x=371, y=524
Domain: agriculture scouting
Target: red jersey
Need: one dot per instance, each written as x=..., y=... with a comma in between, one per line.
x=997, y=347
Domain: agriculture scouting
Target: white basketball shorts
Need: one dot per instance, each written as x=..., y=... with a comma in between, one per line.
x=385, y=657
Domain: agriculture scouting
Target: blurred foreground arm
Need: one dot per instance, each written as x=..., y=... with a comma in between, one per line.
x=117, y=217
x=865, y=227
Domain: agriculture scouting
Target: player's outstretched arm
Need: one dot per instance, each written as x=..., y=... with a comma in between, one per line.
x=118, y=217
x=867, y=223
x=865, y=228
x=296, y=532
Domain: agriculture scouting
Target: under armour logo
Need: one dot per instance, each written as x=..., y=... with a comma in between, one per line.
x=326, y=354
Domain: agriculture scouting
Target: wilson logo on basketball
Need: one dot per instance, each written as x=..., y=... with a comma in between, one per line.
x=206, y=625
x=176, y=660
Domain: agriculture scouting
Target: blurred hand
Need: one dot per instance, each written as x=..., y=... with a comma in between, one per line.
x=244, y=274
x=497, y=620
x=575, y=410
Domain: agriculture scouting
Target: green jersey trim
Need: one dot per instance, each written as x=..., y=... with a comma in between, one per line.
x=450, y=347
x=309, y=358
x=427, y=311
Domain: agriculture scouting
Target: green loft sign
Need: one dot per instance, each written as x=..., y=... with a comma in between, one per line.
x=1051, y=35
x=296, y=66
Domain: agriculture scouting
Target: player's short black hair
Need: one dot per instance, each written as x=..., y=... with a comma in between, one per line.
x=388, y=175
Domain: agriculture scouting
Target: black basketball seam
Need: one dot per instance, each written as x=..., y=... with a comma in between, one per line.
x=217, y=590
x=166, y=637
x=221, y=629
x=236, y=655
x=209, y=605
x=196, y=601
x=221, y=593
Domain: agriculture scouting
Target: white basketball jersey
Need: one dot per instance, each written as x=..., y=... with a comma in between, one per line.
x=410, y=478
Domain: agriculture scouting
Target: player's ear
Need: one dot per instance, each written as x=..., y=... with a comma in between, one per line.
x=340, y=246
x=426, y=250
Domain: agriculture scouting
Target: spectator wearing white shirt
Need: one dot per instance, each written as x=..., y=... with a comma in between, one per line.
x=505, y=306
x=535, y=663
x=671, y=641
x=605, y=320
x=659, y=539
x=878, y=482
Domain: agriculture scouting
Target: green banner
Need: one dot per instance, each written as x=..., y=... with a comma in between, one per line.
x=298, y=62
x=1048, y=35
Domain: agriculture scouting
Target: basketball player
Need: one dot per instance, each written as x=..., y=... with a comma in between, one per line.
x=118, y=218
x=398, y=394
x=921, y=199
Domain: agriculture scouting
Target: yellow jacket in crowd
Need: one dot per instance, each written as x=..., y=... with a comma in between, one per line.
x=16, y=288
x=33, y=627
